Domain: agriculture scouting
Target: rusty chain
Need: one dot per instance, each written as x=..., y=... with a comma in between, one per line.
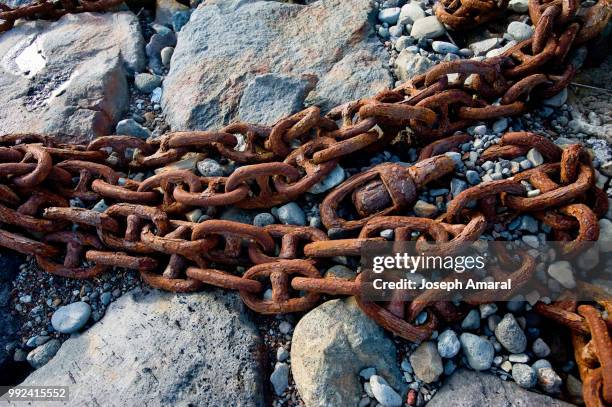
x=146, y=227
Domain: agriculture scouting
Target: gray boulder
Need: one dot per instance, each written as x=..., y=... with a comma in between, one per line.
x=230, y=53
x=466, y=388
x=68, y=76
x=331, y=345
x=155, y=348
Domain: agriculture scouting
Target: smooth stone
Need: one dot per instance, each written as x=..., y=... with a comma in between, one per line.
x=500, y=125
x=384, y=393
x=41, y=355
x=426, y=362
x=549, y=381
x=535, y=157
x=444, y=47
x=540, y=364
x=263, y=219
x=209, y=168
x=331, y=345
x=524, y=375
x=409, y=64
x=519, y=6
x=146, y=82
x=389, y=15
x=558, y=100
x=540, y=348
x=334, y=178
x=478, y=351
x=410, y=13
x=70, y=318
x=424, y=209
x=563, y=272
x=129, y=127
x=471, y=320
x=280, y=378
x=340, y=271
x=520, y=31
x=448, y=344
x=291, y=214
x=483, y=46
x=473, y=177
x=510, y=335
x=166, y=55
x=427, y=27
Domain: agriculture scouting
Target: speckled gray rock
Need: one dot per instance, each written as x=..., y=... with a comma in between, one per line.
x=466, y=388
x=524, y=375
x=408, y=64
x=383, y=393
x=478, y=351
x=42, y=354
x=165, y=9
x=213, y=65
x=70, y=318
x=129, y=127
x=520, y=31
x=426, y=362
x=331, y=345
x=427, y=27
x=549, y=380
x=510, y=335
x=280, y=378
x=291, y=214
x=448, y=344
x=9, y=263
x=68, y=76
x=151, y=349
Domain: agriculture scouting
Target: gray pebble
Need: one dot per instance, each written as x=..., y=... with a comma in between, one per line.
x=264, y=219
x=44, y=353
x=510, y=334
x=129, y=127
x=282, y=354
x=210, y=168
x=166, y=55
x=549, y=380
x=70, y=318
x=291, y=214
x=367, y=373
x=541, y=364
x=540, y=348
x=478, y=351
x=280, y=378
x=384, y=393
x=524, y=375
x=471, y=320
x=444, y=47
x=389, y=15
x=145, y=82
x=448, y=344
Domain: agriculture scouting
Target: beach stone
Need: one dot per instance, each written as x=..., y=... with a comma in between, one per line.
x=562, y=272
x=448, y=344
x=383, y=393
x=510, y=335
x=478, y=351
x=337, y=59
x=42, y=354
x=409, y=64
x=331, y=345
x=524, y=375
x=520, y=31
x=427, y=27
x=129, y=127
x=70, y=318
x=410, y=13
x=146, y=82
x=426, y=362
x=68, y=77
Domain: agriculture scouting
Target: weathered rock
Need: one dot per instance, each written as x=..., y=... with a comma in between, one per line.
x=426, y=362
x=331, y=345
x=42, y=354
x=213, y=65
x=157, y=348
x=69, y=76
x=427, y=27
x=468, y=388
x=408, y=65
x=509, y=333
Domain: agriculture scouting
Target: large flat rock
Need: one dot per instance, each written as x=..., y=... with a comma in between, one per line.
x=155, y=348
x=68, y=76
x=467, y=388
x=261, y=60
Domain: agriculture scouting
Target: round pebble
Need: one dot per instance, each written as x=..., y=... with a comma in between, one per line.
x=478, y=351
x=70, y=318
x=448, y=344
x=509, y=333
x=291, y=214
x=524, y=375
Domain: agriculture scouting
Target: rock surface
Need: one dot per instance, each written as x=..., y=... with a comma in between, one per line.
x=331, y=345
x=9, y=264
x=216, y=72
x=69, y=76
x=471, y=389
x=154, y=348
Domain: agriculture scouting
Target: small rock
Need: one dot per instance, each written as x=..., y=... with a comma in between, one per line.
x=427, y=27
x=549, y=380
x=409, y=64
x=518, y=358
x=129, y=127
x=264, y=219
x=534, y=157
x=540, y=348
x=519, y=6
x=444, y=47
x=472, y=177
x=410, y=13
x=145, y=82
x=166, y=55
x=478, y=351
x=563, y=272
x=43, y=354
x=541, y=364
x=335, y=177
x=367, y=373
x=389, y=15
x=70, y=318
x=486, y=310
x=20, y=355
x=384, y=393
x=457, y=186
x=558, y=100
x=524, y=375
x=156, y=95
x=291, y=214
x=500, y=125
x=210, y=168
x=106, y=298
x=424, y=209
x=520, y=31
x=280, y=378
x=482, y=47
x=448, y=344
x=471, y=320
x=282, y=354
x=605, y=236
x=340, y=271
x=426, y=362
x=510, y=334
x=284, y=327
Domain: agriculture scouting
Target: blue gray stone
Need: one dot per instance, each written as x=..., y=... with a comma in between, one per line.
x=291, y=214
x=510, y=335
x=478, y=351
x=129, y=127
x=524, y=375
x=70, y=318
x=448, y=344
